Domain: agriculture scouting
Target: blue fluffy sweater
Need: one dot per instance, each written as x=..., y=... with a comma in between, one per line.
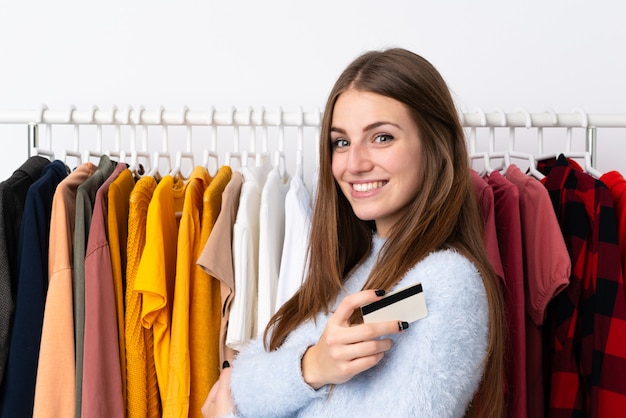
x=432, y=370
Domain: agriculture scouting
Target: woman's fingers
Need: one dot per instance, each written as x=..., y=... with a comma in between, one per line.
x=350, y=303
x=345, y=350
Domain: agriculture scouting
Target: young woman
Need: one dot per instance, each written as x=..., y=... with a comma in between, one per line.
x=394, y=206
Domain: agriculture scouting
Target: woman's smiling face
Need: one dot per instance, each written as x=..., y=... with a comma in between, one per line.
x=376, y=156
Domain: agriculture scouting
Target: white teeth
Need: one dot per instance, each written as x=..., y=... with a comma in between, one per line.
x=365, y=187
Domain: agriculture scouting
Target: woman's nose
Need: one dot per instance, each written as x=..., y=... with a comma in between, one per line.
x=359, y=159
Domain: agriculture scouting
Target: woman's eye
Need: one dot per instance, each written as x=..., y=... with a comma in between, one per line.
x=383, y=138
x=340, y=143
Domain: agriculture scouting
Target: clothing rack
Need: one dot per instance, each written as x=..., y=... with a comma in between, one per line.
x=233, y=117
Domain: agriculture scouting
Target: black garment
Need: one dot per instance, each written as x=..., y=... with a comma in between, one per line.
x=18, y=386
x=12, y=197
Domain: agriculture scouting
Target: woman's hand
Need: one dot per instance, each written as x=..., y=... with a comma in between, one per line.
x=220, y=401
x=345, y=350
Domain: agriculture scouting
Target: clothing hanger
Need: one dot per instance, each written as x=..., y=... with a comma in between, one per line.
x=262, y=156
x=236, y=154
x=157, y=156
x=211, y=153
x=188, y=154
x=250, y=154
x=97, y=153
x=585, y=155
x=299, y=152
x=532, y=164
x=116, y=154
x=473, y=154
x=76, y=151
x=279, y=155
x=492, y=154
x=587, y=166
x=135, y=166
x=48, y=153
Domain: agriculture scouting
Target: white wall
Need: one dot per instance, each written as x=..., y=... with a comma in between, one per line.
x=534, y=54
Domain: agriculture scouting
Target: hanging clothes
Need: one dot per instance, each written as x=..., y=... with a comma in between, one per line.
x=485, y=199
x=616, y=183
x=142, y=388
x=56, y=371
x=586, y=342
x=18, y=386
x=157, y=272
x=271, y=238
x=205, y=303
x=176, y=404
x=242, y=322
x=508, y=227
x=117, y=224
x=102, y=381
x=12, y=198
x=217, y=256
x=293, y=261
x=85, y=197
x=547, y=269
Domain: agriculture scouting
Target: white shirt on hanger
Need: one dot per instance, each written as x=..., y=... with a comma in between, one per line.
x=242, y=320
x=271, y=238
x=298, y=212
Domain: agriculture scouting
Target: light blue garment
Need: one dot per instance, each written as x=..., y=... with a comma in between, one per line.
x=432, y=370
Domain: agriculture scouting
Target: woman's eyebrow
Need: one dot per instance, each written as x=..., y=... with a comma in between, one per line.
x=369, y=127
x=377, y=124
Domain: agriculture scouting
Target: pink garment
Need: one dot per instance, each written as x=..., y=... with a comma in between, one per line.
x=102, y=377
x=56, y=377
x=547, y=266
x=508, y=229
x=484, y=197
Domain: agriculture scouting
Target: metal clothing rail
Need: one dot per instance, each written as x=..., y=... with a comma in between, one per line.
x=250, y=117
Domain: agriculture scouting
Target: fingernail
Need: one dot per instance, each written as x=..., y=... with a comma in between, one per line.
x=402, y=325
x=380, y=292
x=225, y=365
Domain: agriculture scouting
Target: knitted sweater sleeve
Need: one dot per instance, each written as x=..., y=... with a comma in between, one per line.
x=433, y=369
x=270, y=384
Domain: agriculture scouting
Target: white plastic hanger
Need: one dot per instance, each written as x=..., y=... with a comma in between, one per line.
x=587, y=166
x=475, y=155
x=264, y=154
x=76, y=151
x=211, y=152
x=157, y=156
x=114, y=154
x=135, y=166
x=235, y=154
x=279, y=155
x=46, y=152
x=492, y=154
x=532, y=164
x=188, y=153
x=97, y=153
x=299, y=152
x=568, y=153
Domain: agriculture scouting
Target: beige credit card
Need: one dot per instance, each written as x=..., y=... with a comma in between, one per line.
x=407, y=304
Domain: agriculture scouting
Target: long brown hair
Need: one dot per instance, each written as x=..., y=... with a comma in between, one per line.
x=445, y=211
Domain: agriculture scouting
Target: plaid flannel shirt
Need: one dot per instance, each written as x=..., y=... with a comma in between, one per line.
x=586, y=323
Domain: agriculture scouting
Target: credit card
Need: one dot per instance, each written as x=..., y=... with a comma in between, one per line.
x=407, y=304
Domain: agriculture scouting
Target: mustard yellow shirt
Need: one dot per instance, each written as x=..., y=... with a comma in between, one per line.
x=142, y=391
x=117, y=225
x=176, y=402
x=204, y=314
x=157, y=272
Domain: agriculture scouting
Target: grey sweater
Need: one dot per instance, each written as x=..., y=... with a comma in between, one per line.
x=432, y=370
